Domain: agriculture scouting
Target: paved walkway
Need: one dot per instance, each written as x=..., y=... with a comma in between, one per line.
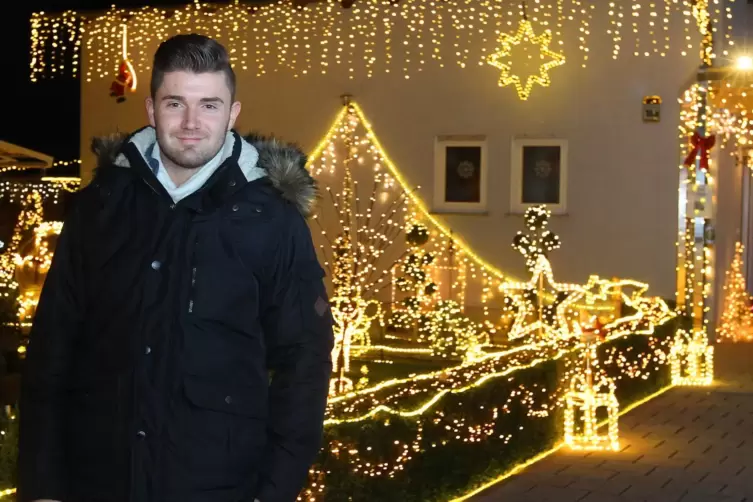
x=688, y=444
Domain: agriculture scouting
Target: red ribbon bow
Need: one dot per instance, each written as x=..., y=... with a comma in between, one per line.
x=700, y=144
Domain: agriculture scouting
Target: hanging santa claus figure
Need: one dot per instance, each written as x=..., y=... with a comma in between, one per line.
x=125, y=80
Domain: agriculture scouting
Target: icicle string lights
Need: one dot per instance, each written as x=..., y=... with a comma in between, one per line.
x=370, y=36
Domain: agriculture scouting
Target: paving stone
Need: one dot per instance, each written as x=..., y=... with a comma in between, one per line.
x=637, y=468
x=691, y=496
x=706, y=487
x=739, y=488
x=613, y=486
x=560, y=481
x=601, y=497
x=652, y=493
x=547, y=493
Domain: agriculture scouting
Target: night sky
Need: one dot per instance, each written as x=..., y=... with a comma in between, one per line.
x=44, y=116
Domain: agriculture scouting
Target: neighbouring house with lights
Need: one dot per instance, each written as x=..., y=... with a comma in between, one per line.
x=33, y=192
x=583, y=106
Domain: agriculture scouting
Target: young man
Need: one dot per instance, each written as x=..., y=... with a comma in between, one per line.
x=181, y=347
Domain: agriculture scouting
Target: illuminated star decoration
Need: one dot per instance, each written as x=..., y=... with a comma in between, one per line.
x=553, y=322
x=501, y=58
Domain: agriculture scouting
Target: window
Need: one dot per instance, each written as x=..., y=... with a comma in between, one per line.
x=460, y=174
x=539, y=174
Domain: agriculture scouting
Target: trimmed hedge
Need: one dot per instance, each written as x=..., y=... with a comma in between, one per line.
x=444, y=471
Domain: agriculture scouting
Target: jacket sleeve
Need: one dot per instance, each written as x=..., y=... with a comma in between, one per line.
x=297, y=323
x=41, y=462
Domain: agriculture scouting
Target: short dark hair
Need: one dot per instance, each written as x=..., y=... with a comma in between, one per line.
x=191, y=53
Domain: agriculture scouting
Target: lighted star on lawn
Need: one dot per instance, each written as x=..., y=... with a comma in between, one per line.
x=551, y=321
x=501, y=58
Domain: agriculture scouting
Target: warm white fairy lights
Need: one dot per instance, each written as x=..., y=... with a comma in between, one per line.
x=736, y=324
x=419, y=400
x=419, y=397
x=588, y=393
x=692, y=359
x=372, y=35
x=49, y=187
x=352, y=317
x=582, y=403
x=525, y=36
x=32, y=267
x=323, y=35
x=31, y=216
x=533, y=317
x=451, y=334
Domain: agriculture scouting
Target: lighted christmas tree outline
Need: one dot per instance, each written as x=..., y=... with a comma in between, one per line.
x=349, y=290
x=359, y=263
x=412, y=197
x=736, y=324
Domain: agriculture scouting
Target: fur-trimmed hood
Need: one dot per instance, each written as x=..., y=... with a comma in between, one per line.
x=283, y=163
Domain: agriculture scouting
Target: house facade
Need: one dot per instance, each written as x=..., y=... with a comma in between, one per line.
x=599, y=144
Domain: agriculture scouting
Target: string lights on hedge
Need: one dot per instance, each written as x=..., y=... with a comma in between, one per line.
x=418, y=402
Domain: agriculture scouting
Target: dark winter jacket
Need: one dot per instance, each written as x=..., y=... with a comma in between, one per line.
x=180, y=352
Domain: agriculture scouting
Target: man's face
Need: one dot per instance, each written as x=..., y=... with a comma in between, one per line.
x=191, y=113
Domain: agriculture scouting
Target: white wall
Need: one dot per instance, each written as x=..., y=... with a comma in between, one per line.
x=622, y=186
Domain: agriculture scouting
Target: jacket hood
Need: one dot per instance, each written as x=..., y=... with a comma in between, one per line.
x=283, y=163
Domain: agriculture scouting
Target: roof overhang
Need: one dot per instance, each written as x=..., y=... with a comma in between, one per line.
x=23, y=158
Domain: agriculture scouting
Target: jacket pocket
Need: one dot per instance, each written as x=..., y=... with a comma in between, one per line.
x=246, y=401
